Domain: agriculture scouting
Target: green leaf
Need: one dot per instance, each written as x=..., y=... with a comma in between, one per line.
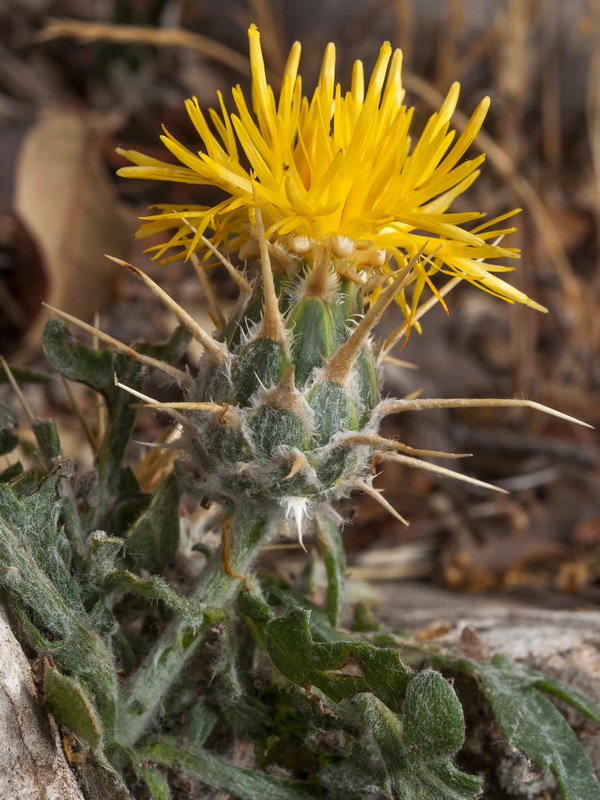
x=416, y=720
x=26, y=483
x=557, y=688
x=332, y=666
x=31, y=540
x=73, y=708
x=154, y=537
x=252, y=606
x=97, y=369
x=244, y=784
x=202, y=722
x=102, y=553
x=11, y=473
x=155, y=588
x=24, y=375
x=364, y=620
x=530, y=721
x=307, y=582
x=78, y=362
x=43, y=594
x=237, y=700
x=434, y=724
x=361, y=775
x=426, y=775
x=8, y=441
x=156, y=782
x=331, y=545
x=47, y=438
x=8, y=418
x=302, y=661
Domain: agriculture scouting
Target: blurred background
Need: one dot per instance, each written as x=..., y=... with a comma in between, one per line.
x=79, y=79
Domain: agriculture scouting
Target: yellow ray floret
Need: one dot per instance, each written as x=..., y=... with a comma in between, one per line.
x=333, y=165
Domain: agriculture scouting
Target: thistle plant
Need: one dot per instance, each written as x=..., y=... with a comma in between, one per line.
x=347, y=218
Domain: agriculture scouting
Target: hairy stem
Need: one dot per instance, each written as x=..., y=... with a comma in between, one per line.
x=144, y=692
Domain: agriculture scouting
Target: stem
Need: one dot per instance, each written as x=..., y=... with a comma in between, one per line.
x=144, y=692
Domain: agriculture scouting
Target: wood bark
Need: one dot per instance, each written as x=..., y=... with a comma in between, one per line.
x=33, y=765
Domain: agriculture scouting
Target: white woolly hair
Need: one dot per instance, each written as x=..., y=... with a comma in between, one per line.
x=297, y=509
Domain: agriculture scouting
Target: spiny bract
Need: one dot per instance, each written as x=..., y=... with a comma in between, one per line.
x=283, y=434
x=285, y=408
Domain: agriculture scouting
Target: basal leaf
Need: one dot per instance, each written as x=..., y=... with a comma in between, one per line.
x=555, y=687
x=339, y=669
x=427, y=774
x=156, y=782
x=155, y=588
x=434, y=723
x=530, y=721
x=244, y=784
x=154, y=537
x=24, y=375
x=72, y=707
x=8, y=441
x=44, y=594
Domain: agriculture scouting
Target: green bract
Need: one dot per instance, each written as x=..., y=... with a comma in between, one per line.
x=281, y=435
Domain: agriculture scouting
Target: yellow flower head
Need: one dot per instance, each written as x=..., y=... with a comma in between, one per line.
x=338, y=169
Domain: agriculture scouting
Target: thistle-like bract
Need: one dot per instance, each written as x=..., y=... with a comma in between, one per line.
x=346, y=217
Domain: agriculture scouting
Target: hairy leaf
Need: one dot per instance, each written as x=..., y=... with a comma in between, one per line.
x=102, y=552
x=97, y=369
x=339, y=669
x=530, y=722
x=156, y=782
x=424, y=774
x=73, y=708
x=245, y=784
x=8, y=441
x=47, y=438
x=434, y=724
x=44, y=594
x=155, y=588
x=154, y=537
x=24, y=375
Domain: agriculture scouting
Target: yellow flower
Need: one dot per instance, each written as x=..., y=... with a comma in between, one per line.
x=339, y=168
